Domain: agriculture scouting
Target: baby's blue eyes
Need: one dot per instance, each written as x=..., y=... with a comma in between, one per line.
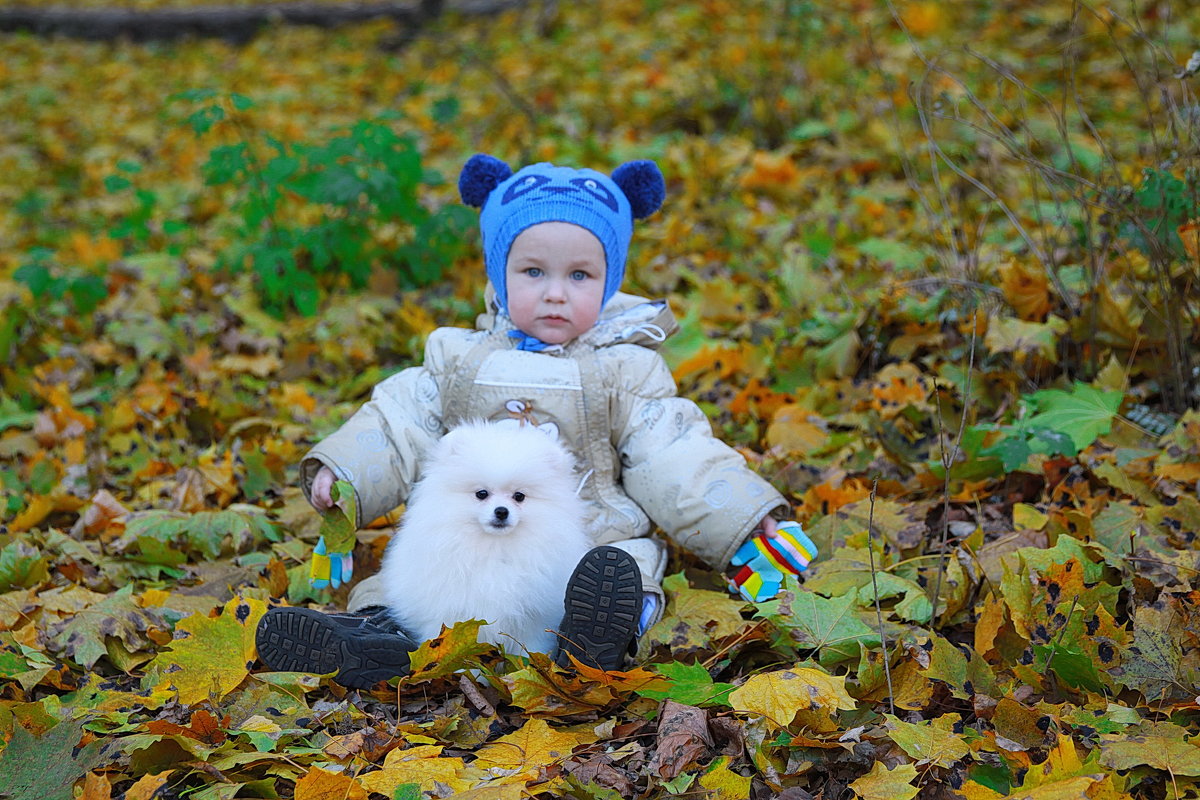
x=576, y=275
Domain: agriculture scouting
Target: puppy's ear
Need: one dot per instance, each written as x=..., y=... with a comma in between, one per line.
x=559, y=459
x=451, y=444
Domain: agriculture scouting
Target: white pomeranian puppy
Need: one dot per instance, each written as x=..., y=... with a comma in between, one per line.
x=492, y=531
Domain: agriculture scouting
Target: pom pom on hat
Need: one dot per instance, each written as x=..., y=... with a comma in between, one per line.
x=642, y=182
x=480, y=175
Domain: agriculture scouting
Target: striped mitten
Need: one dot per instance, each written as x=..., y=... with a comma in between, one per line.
x=764, y=560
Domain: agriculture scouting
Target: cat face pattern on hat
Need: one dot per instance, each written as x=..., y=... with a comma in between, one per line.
x=605, y=206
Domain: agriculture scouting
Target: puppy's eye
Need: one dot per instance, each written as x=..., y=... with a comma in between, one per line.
x=482, y=494
x=519, y=497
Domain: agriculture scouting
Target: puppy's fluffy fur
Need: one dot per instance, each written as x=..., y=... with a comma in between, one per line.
x=492, y=531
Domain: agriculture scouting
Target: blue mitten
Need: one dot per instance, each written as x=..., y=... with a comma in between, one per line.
x=330, y=569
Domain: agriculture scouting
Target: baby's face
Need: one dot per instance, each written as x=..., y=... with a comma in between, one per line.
x=555, y=278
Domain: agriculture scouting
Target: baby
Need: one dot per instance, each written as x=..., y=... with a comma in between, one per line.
x=559, y=347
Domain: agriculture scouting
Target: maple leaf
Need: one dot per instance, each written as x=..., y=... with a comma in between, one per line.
x=1152, y=662
x=82, y=636
x=829, y=625
x=319, y=784
x=1162, y=745
x=695, y=618
x=1084, y=413
x=209, y=657
x=423, y=765
x=545, y=690
x=690, y=684
x=47, y=767
x=882, y=783
x=209, y=534
x=932, y=742
x=779, y=695
x=456, y=648
x=722, y=783
x=531, y=748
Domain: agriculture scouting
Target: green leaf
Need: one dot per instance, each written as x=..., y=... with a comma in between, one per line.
x=281, y=168
x=408, y=791
x=210, y=534
x=47, y=767
x=829, y=626
x=23, y=565
x=891, y=251
x=691, y=685
x=37, y=276
x=930, y=742
x=680, y=783
x=1073, y=667
x=115, y=183
x=338, y=522
x=87, y=292
x=1012, y=451
x=1052, y=443
x=1084, y=413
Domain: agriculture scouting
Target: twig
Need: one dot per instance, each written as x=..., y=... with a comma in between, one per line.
x=947, y=463
x=715, y=657
x=887, y=666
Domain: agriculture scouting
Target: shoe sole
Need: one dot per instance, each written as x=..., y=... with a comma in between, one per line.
x=304, y=640
x=603, y=604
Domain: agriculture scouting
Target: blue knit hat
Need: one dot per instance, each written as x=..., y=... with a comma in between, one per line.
x=545, y=193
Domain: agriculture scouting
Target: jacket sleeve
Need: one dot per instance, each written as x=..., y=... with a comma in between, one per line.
x=698, y=489
x=379, y=450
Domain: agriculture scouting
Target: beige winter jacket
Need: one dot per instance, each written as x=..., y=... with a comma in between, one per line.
x=645, y=455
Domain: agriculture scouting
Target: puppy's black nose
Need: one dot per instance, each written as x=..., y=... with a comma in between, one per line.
x=501, y=512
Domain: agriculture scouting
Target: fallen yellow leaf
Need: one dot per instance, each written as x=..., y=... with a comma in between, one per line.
x=882, y=783
x=145, y=786
x=532, y=747
x=211, y=656
x=779, y=695
x=723, y=783
x=319, y=784
x=423, y=765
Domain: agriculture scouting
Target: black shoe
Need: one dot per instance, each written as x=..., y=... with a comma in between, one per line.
x=603, y=604
x=363, y=648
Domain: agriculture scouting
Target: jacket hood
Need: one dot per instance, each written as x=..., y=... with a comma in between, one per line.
x=625, y=319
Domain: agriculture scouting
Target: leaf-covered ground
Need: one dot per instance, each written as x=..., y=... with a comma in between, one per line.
x=900, y=238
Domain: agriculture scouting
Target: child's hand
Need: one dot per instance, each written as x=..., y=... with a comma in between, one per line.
x=768, y=526
x=319, y=495
x=766, y=557
x=333, y=559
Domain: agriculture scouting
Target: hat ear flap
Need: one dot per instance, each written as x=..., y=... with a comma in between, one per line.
x=479, y=176
x=643, y=184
